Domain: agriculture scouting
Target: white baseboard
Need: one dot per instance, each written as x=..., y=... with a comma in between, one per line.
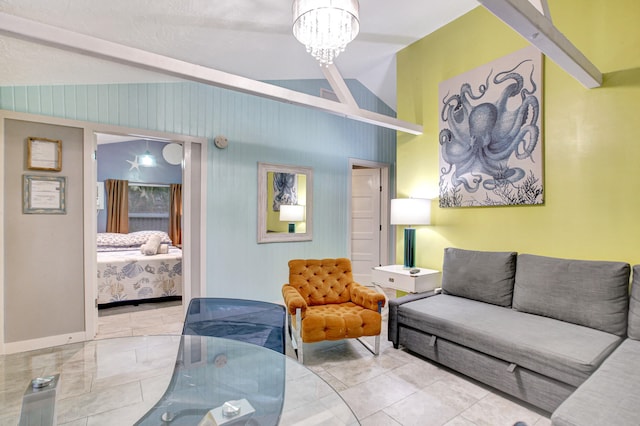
x=45, y=342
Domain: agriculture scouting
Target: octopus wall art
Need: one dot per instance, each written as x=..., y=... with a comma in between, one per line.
x=285, y=189
x=490, y=134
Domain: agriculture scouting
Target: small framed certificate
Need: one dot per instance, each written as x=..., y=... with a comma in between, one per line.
x=44, y=194
x=44, y=154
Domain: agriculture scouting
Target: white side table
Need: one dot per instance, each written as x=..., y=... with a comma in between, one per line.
x=399, y=278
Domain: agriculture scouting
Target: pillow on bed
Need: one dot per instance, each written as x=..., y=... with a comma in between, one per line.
x=133, y=239
x=151, y=247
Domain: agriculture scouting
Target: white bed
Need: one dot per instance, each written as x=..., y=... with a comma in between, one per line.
x=126, y=275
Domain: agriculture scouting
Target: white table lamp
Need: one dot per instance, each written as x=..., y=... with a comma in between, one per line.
x=291, y=213
x=410, y=211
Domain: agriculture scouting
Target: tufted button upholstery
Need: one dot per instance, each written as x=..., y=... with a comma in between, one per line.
x=339, y=321
x=321, y=281
x=333, y=306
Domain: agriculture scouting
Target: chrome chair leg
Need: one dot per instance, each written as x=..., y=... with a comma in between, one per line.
x=294, y=333
x=375, y=349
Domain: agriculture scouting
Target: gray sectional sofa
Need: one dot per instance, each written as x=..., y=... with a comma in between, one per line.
x=557, y=333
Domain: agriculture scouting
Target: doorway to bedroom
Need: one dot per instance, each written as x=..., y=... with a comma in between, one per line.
x=52, y=260
x=139, y=207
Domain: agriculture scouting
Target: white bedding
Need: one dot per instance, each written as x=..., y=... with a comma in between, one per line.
x=130, y=275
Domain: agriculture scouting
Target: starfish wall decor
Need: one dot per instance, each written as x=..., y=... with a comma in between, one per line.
x=134, y=163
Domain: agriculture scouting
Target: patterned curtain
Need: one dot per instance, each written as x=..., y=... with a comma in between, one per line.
x=117, y=205
x=175, y=214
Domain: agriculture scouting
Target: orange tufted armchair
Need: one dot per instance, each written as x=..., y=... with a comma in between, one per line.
x=324, y=303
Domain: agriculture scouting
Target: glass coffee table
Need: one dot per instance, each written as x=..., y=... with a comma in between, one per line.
x=172, y=380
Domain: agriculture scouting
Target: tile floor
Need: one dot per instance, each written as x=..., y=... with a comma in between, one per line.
x=395, y=388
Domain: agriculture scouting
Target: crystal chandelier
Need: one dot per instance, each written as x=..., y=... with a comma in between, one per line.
x=325, y=27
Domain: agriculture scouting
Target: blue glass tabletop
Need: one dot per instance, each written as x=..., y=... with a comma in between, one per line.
x=173, y=380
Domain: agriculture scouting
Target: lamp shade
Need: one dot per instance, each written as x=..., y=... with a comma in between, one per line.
x=410, y=211
x=291, y=213
x=147, y=160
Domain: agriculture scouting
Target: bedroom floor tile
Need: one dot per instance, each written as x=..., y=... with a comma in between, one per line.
x=395, y=388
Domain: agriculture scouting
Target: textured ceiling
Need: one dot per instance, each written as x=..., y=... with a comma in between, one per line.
x=250, y=38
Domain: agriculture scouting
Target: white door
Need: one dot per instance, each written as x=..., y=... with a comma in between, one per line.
x=365, y=223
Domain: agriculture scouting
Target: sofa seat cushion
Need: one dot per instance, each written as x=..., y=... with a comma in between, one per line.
x=611, y=396
x=339, y=321
x=565, y=351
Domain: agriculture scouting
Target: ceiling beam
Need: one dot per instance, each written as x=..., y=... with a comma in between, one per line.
x=60, y=38
x=543, y=7
x=338, y=85
x=525, y=19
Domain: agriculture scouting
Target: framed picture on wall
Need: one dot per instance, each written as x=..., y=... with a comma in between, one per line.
x=44, y=194
x=44, y=154
x=491, y=133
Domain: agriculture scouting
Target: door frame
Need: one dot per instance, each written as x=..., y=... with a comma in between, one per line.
x=188, y=228
x=386, y=252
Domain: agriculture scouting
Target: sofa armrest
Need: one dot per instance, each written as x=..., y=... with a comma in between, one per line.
x=293, y=300
x=411, y=297
x=366, y=297
x=392, y=331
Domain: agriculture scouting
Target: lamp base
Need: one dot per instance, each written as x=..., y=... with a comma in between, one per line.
x=409, y=248
x=292, y=228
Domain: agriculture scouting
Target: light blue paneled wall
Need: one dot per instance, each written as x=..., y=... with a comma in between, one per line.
x=258, y=130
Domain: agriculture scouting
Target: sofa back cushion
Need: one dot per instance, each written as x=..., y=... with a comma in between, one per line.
x=634, y=305
x=321, y=281
x=585, y=292
x=479, y=275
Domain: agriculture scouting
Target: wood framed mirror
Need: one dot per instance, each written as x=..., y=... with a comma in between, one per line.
x=291, y=187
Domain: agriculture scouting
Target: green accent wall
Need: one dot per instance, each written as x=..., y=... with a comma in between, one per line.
x=590, y=138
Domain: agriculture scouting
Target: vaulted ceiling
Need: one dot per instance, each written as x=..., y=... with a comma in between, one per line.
x=249, y=38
